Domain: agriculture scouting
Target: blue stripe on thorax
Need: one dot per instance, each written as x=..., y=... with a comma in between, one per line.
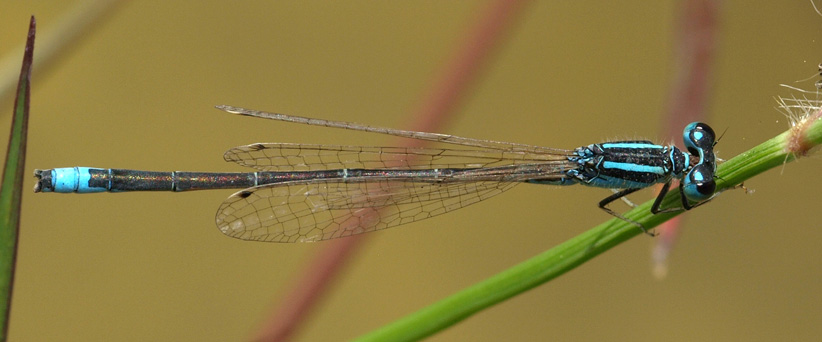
x=633, y=167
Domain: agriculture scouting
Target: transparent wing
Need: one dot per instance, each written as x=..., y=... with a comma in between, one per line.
x=437, y=137
x=323, y=209
x=306, y=157
x=326, y=209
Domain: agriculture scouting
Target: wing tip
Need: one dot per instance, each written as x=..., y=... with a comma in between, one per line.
x=231, y=109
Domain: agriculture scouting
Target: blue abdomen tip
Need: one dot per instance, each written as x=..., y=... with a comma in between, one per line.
x=73, y=179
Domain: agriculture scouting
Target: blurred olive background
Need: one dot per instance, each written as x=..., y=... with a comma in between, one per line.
x=138, y=92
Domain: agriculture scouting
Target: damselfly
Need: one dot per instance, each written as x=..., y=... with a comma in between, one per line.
x=317, y=192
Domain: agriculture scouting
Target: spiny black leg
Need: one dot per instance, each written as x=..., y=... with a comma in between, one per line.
x=617, y=195
x=658, y=201
x=603, y=205
x=685, y=204
x=625, y=199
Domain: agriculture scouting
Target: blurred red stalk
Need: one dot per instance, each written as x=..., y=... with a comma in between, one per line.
x=696, y=42
x=444, y=96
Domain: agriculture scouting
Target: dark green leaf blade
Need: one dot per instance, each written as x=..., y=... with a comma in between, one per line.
x=12, y=182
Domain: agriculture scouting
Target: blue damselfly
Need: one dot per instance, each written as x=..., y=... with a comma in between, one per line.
x=305, y=192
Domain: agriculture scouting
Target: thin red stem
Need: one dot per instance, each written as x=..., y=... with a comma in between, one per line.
x=444, y=96
x=696, y=43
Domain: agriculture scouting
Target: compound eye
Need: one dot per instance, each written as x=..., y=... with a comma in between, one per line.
x=698, y=136
x=699, y=184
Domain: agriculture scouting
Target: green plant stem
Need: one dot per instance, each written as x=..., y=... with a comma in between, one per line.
x=546, y=266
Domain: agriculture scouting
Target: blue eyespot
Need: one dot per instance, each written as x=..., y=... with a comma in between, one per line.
x=698, y=136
